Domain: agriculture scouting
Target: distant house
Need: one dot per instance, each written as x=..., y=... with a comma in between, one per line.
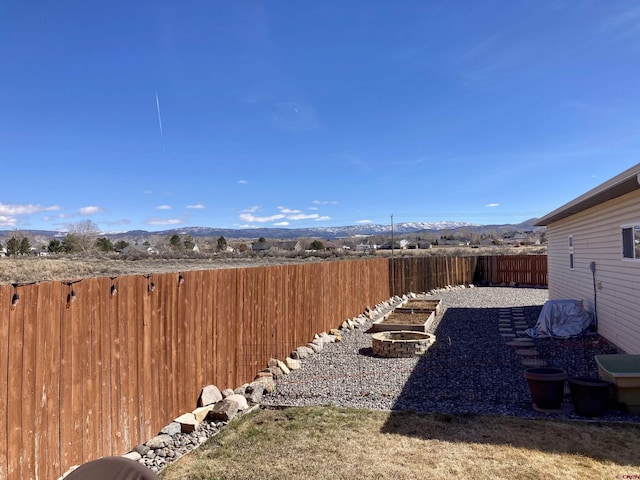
x=490, y=242
x=594, y=256
x=525, y=238
x=282, y=246
x=260, y=247
x=288, y=246
x=365, y=247
x=331, y=246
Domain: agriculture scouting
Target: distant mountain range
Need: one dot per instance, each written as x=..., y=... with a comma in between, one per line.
x=328, y=233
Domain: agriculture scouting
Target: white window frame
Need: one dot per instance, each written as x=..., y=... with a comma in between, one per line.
x=634, y=229
x=572, y=258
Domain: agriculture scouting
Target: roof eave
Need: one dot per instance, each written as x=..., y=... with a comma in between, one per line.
x=622, y=184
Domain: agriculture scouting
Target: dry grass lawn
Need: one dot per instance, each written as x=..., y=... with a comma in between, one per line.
x=68, y=267
x=332, y=443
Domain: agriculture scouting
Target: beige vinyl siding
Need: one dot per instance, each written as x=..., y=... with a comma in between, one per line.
x=597, y=236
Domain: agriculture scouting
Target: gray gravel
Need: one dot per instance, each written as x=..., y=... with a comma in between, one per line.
x=469, y=370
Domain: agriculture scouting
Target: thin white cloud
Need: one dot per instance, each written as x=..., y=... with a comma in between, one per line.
x=491, y=205
x=147, y=192
x=10, y=210
x=10, y=220
x=325, y=202
x=248, y=217
x=288, y=211
x=363, y=221
x=164, y=221
x=281, y=224
x=7, y=221
x=90, y=210
x=323, y=218
x=122, y=221
x=303, y=216
x=163, y=207
x=197, y=206
x=242, y=182
x=255, y=208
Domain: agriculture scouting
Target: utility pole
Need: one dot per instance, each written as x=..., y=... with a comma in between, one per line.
x=393, y=276
x=392, y=235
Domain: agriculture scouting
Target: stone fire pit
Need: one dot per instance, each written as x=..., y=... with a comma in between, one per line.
x=402, y=343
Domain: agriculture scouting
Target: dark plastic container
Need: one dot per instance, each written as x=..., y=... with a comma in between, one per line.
x=589, y=396
x=546, y=386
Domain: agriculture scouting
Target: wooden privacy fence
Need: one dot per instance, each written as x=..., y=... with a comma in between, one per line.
x=92, y=368
x=421, y=274
x=86, y=372
x=508, y=269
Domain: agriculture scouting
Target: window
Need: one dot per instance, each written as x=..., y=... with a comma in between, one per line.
x=631, y=241
x=571, y=252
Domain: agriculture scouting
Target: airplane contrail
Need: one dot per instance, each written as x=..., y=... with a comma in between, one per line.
x=159, y=117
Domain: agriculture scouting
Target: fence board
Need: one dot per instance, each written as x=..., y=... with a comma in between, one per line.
x=14, y=388
x=6, y=294
x=104, y=306
x=29, y=362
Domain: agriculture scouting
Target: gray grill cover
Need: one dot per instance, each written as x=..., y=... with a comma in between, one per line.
x=561, y=319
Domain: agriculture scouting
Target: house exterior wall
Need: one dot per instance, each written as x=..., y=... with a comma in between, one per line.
x=597, y=238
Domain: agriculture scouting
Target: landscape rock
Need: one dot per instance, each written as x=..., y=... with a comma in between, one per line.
x=255, y=392
x=188, y=422
x=272, y=362
x=276, y=372
x=226, y=409
x=159, y=441
x=326, y=338
x=240, y=400
x=141, y=449
x=283, y=367
x=268, y=384
x=226, y=392
x=337, y=334
x=303, y=352
x=209, y=395
x=292, y=363
x=201, y=413
x=241, y=389
x=172, y=429
x=133, y=456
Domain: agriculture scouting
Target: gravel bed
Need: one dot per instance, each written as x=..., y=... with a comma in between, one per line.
x=469, y=370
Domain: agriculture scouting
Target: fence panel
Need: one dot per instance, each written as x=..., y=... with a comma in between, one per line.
x=512, y=269
x=421, y=274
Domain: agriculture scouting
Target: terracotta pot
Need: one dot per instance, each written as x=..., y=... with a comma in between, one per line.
x=589, y=396
x=546, y=386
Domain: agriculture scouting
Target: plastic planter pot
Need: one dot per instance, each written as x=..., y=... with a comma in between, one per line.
x=589, y=396
x=546, y=386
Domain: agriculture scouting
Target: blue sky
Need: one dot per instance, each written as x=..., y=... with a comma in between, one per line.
x=157, y=115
